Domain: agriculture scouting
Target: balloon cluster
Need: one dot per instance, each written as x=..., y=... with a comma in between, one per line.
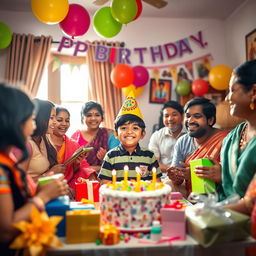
x=74, y=20
x=107, y=21
x=129, y=78
x=218, y=77
x=5, y=36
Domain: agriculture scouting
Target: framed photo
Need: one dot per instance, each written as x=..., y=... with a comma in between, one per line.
x=160, y=91
x=250, y=42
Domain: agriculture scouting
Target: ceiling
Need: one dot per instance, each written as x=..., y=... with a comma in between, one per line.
x=215, y=9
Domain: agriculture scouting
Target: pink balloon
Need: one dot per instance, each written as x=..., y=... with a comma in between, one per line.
x=77, y=21
x=200, y=87
x=141, y=76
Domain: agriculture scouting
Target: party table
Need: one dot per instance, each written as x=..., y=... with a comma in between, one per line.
x=188, y=247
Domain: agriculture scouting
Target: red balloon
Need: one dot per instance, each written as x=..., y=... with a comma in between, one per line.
x=139, y=5
x=122, y=75
x=200, y=87
x=77, y=21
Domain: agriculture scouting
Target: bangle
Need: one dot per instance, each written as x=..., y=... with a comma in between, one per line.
x=38, y=202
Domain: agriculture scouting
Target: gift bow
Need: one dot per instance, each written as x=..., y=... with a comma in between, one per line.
x=210, y=203
x=175, y=205
x=107, y=230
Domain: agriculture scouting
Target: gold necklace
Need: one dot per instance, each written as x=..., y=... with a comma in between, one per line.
x=243, y=138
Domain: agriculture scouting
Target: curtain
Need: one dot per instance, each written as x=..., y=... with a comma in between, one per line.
x=101, y=88
x=27, y=57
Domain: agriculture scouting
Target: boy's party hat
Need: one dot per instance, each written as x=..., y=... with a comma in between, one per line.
x=130, y=106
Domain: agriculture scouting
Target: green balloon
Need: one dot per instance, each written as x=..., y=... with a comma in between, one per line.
x=104, y=24
x=183, y=88
x=5, y=35
x=124, y=11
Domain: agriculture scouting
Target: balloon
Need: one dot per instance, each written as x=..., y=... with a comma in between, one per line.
x=104, y=24
x=200, y=87
x=124, y=11
x=5, y=35
x=136, y=91
x=77, y=21
x=139, y=5
x=122, y=75
x=50, y=11
x=219, y=77
x=183, y=88
x=141, y=76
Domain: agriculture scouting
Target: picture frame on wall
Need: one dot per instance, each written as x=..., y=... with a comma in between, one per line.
x=160, y=91
x=250, y=42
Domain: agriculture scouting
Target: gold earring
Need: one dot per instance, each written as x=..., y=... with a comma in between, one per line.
x=252, y=106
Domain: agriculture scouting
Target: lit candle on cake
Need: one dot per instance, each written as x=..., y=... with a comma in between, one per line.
x=137, y=187
x=154, y=177
x=126, y=171
x=114, y=178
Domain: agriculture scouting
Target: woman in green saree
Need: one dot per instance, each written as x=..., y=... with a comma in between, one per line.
x=238, y=153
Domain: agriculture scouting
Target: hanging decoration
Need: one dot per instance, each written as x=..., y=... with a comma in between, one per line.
x=5, y=36
x=50, y=11
x=106, y=26
x=77, y=21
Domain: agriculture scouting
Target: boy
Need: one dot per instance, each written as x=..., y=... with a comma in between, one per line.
x=129, y=129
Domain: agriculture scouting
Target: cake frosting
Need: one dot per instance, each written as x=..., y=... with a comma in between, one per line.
x=131, y=207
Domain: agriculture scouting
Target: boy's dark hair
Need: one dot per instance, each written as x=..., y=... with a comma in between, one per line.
x=208, y=108
x=91, y=105
x=130, y=119
x=169, y=104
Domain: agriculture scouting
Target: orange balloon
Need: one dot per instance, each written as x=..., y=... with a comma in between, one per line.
x=219, y=77
x=122, y=75
x=136, y=91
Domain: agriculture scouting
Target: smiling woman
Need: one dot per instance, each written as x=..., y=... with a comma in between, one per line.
x=92, y=135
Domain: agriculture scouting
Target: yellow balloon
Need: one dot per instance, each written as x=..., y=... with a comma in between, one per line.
x=136, y=91
x=50, y=11
x=219, y=77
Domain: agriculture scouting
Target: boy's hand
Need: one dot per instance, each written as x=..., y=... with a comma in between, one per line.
x=101, y=153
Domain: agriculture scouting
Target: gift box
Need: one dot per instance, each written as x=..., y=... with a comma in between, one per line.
x=87, y=189
x=209, y=227
x=109, y=234
x=201, y=185
x=58, y=207
x=175, y=196
x=82, y=226
x=173, y=220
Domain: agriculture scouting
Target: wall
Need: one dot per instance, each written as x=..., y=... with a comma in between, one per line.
x=240, y=23
x=143, y=32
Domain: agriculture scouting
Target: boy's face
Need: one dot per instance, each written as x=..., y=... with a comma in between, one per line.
x=130, y=134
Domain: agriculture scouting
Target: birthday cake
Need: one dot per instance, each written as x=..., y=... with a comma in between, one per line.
x=130, y=210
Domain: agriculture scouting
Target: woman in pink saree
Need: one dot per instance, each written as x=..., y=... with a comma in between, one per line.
x=66, y=147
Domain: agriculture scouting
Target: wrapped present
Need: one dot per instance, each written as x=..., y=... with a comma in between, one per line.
x=109, y=234
x=88, y=189
x=209, y=223
x=82, y=226
x=201, y=185
x=58, y=207
x=173, y=220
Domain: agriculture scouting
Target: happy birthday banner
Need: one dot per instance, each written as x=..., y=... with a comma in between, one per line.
x=119, y=55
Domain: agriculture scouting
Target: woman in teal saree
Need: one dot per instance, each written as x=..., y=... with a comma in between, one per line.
x=238, y=153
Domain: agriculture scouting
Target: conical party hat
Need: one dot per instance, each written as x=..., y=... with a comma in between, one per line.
x=130, y=106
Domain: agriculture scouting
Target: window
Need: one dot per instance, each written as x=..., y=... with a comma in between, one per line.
x=74, y=92
x=71, y=91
